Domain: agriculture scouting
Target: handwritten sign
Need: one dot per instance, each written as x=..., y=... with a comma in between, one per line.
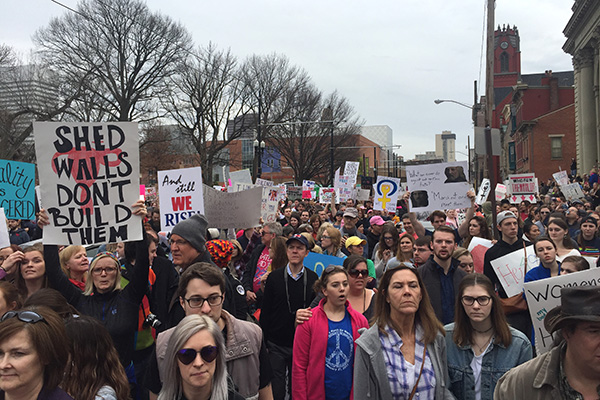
x=351, y=171
x=343, y=181
x=438, y=186
x=346, y=193
x=17, y=189
x=561, y=177
x=318, y=262
x=268, y=207
x=484, y=191
x=386, y=192
x=363, y=194
x=294, y=192
x=263, y=182
x=4, y=237
x=510, y=269
x=232, y=210
x=180, y=192
x=308, y=189
x=478, y=247
x=543, y=295
x=523, y=187
x=572, y=191
x=500, y=191
x=89, y=176
x=326, y=193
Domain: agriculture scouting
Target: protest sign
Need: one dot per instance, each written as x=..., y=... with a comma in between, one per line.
x=385, y=193
x=241, y=176
x=318, y=262
x=572, y=191
x=484, y=191
x=478, y=247
x=232, y=210
x=510, y=269
x=294, y=193
x=561, y=177
x=180, y=193
x=343, y=181
x=89, y=176
x=500, y=191
x=263, y=182
x=438, y=186
x=308, y=189
x=593, y=261
x=523, y=187
x=282, y=192
x=4, y=237
x=351, y=171
x=363, y=194
x=268, y=208
x=326, y=193
x=346, y=193
x=17, y=189
x=543, y=295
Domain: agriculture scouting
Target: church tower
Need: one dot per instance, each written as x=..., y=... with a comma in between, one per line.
x=507, y=56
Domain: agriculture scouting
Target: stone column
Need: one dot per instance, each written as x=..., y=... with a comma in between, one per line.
x=588, y=142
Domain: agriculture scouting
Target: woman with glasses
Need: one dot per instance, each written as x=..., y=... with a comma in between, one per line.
x=403, y=354
x=386, y=249
x=94, y=371
x=480, y=344
x=117, y=309
x=195, y=362
x=324, y=345
x=331, y=242
x=33, y=355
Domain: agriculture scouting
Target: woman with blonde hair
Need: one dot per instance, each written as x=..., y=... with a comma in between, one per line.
x=331, y=242
x=75, y=264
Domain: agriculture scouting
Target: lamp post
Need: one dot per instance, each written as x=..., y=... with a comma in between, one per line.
x=259, y=147
x=327, y=116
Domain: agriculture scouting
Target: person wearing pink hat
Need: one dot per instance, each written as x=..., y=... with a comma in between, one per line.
x=374, y=233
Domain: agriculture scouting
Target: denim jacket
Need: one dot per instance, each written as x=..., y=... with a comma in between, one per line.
x=497, y=360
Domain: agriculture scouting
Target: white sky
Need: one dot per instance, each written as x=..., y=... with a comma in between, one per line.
x=390, y=58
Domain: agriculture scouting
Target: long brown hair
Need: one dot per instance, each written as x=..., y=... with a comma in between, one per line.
x=383, y=245
x=20, y=281
x=463, y=330
x=425, y=314
x=279, y=248
x=399, y=255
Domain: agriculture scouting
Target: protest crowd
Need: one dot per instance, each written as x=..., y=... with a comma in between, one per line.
x=329, y=300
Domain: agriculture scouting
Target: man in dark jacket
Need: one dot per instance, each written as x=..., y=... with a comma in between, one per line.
x=441, y=274
x=374, y=233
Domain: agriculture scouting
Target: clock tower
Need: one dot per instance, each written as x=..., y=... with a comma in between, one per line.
x=507, y=56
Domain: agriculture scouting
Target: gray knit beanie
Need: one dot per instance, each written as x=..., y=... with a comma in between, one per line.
x=193, y=230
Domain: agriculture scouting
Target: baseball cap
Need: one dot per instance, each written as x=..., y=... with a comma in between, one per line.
x=298, y=238
x=376, y=220
x=505, y=215
x=355, y=241
x=351, y=212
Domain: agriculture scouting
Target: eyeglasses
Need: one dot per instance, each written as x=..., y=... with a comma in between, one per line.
x=388, y=238
x=198, y=301
x=208, y=354
x=108, y=271
x=544, y=212
x=325, y=237
x=180, y=242
x=482, y=300
x=30, y=317
x=263, y=233
x=356, y=272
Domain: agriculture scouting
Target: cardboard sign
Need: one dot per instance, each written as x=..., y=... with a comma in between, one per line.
x=241, y=176
x=363, y=194
x=386, y=193
x=318, y=262
x=232, y=210
x=17, y=189
x=510, y=269
x=326, y=193
x=4, y=236
x=346, y=193
x=89, y=176
x=180, y=193
x=572, y=191
x=484, y=191
x=343, y=181
x=351, y=170
x=294, y=193
x=543, y=295
x=268, y=205
x=500, y=191
x=561, y=177
x=438, y=186
x=523, y=187
x=308, y=189
x=263, y=182
x=478, y=247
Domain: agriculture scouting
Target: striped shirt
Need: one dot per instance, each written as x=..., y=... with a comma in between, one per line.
x=401, y=384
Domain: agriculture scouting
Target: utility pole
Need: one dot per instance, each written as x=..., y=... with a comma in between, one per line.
x=489, y=104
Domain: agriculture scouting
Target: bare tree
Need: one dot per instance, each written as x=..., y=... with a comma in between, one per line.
x=204, y=96
x=124, y=51
x=155, y=151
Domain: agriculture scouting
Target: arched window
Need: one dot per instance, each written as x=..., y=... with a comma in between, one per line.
x=504, y=62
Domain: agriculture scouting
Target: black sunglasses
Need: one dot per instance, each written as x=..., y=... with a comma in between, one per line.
x=356, y=272
x=30, y=317
x=187, y=356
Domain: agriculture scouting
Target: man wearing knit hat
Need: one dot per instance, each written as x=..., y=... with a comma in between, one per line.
x=571, y=370
x=188, y=246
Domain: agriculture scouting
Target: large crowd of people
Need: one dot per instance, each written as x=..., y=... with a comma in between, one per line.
x=407, y=312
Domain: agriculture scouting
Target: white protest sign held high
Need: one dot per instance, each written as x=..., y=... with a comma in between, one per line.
x=346, y=193
x=89, y=177
x=572, y=191
x=232, y=210
x=351, y=170
x=543, y=295
x=270, y=198
x=523, y=187
x=385, y=193
x=241, y=176
x=4, y=237
x=510, y=269
x=561, y=177
x=326, y=193
x=343, y=181
x=484, y=191
x=263, y=182
x=180, y=193
x=500, y=191
x=363, y=194
x=438, y=186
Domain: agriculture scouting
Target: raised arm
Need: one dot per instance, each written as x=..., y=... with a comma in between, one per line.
x=463, y=229
x=57, y=278
x=418, y=227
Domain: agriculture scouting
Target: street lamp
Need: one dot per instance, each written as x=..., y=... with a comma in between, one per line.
x=259, y=147
x=438, y=101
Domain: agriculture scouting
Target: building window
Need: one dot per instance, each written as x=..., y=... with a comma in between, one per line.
x=247, y=153
x=504, y=62
x=556, y=148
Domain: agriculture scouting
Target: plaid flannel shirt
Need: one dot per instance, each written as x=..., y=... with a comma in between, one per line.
x=396, y=365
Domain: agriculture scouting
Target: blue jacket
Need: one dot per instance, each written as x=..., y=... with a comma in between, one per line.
x=496, y=361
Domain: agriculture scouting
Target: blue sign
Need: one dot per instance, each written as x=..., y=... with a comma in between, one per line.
x=318, y=262
x=17, y=189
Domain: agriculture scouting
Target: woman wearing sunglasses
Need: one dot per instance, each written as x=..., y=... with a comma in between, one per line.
x=33, y=355
x=324, y=345
x=480, y=344
x=195, y=362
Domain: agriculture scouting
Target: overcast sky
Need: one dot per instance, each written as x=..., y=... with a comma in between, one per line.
x=390, y=58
